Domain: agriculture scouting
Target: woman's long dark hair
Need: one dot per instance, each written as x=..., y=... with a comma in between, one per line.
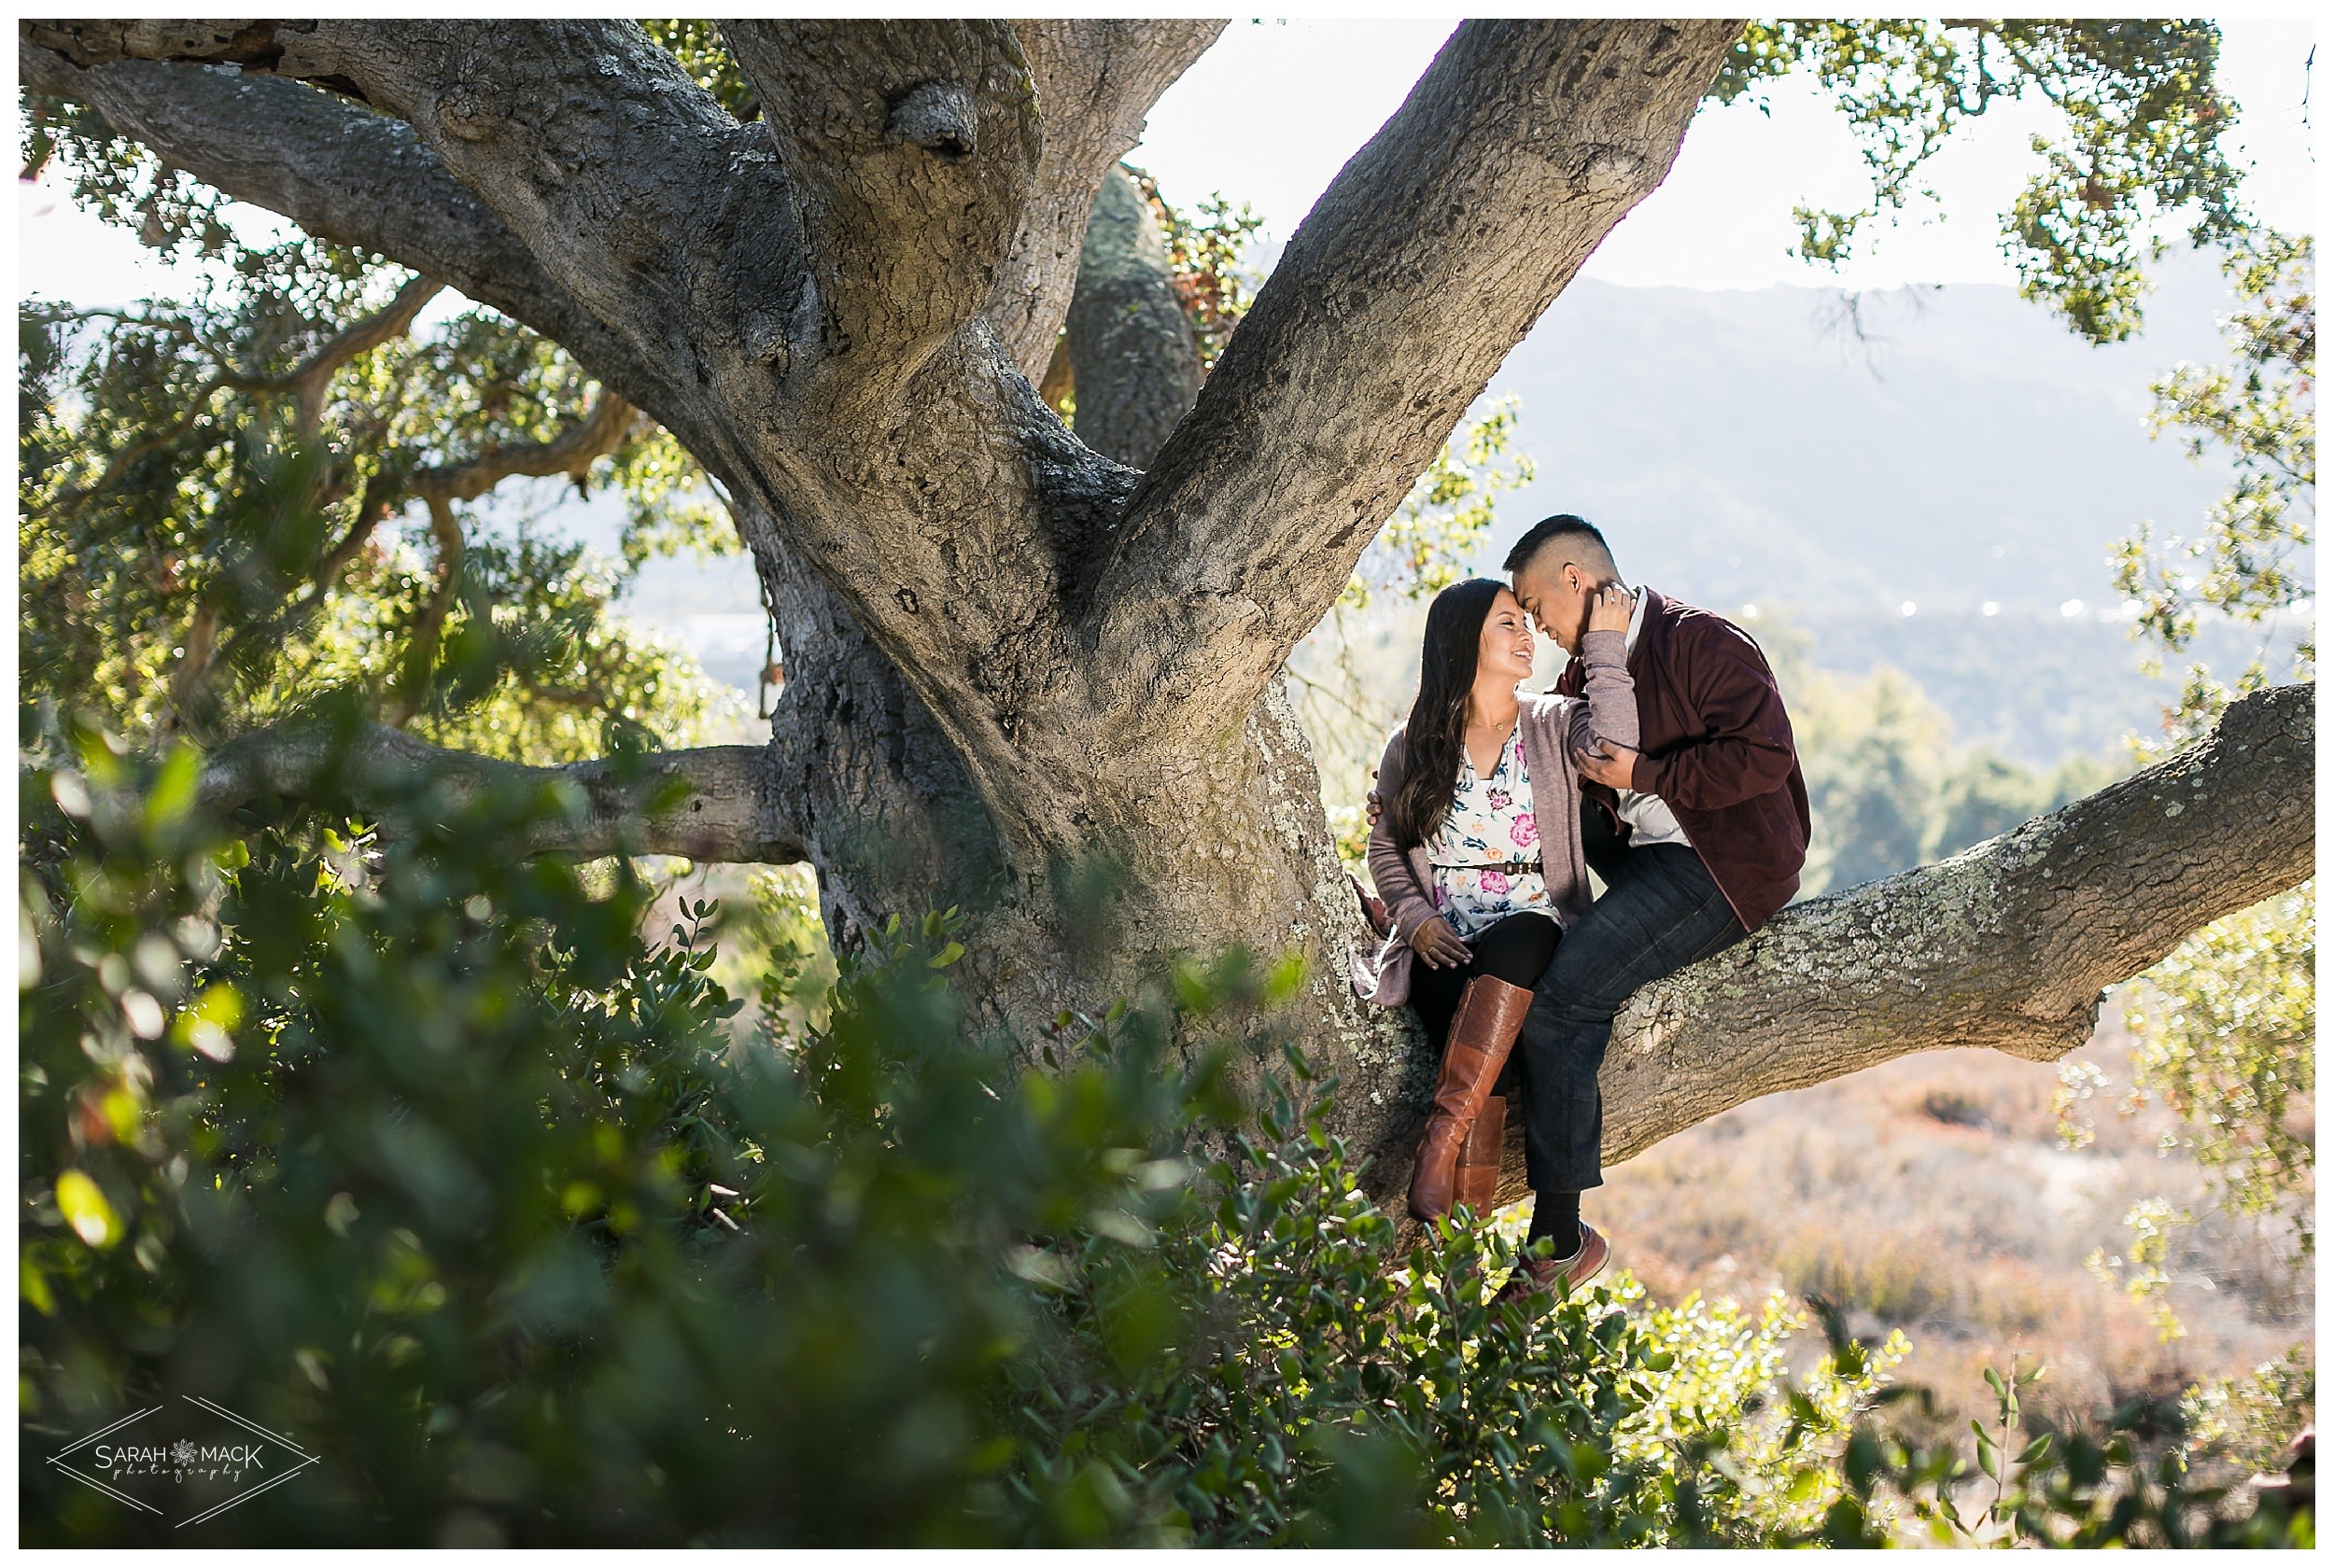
x=1435, y=738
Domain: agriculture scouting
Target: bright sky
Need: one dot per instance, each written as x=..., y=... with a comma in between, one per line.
x=1274, y=109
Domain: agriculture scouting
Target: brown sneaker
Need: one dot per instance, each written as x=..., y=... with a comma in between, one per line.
x=1553, y=1279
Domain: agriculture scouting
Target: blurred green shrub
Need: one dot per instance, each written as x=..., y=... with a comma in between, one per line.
x=420, y=1152
x=2129, y=1479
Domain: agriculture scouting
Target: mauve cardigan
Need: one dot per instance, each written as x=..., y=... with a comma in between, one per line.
x=1553, y=728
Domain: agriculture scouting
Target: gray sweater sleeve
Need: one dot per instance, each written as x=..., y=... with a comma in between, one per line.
x=1410, y=904
x=1610, y=714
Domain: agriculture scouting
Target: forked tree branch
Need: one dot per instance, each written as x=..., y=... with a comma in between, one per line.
x=1096, y=79
x=724, y=805
x=683, y=266
x=910, y=148
x=1430, y=258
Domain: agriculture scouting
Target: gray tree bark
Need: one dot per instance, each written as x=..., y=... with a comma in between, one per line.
x=1095, y=78
x=1023, y=679
x=1132, y=359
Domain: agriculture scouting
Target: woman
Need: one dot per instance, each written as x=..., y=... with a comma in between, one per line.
x=1478, y=898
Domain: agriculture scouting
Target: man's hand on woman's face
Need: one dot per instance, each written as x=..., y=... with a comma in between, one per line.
x=1609, y=609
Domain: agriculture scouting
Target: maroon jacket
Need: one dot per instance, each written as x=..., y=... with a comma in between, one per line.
x=1716, y=748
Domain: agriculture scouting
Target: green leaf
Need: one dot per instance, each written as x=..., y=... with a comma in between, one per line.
x=83, y=1204
x=174, y=791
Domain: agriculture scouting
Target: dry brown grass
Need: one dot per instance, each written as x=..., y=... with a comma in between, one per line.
x=1932, y=1195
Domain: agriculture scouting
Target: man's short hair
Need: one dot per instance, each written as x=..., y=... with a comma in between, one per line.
x=1588, y=545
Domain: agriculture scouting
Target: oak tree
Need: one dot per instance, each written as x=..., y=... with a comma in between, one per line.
x=1034, y=671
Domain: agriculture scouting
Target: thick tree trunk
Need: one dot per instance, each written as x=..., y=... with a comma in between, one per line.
x=891, y=821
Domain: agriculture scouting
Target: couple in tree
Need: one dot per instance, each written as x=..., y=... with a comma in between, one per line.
x=1663, y=761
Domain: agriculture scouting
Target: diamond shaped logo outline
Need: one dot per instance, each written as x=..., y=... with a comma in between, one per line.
x=208, y=1406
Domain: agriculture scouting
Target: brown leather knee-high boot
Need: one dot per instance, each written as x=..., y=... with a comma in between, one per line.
x=1490, y=1012
x=1477, y=1185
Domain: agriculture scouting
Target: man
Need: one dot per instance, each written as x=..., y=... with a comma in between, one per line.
x=1699, y=838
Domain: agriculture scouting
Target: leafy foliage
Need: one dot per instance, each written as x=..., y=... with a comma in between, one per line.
x=210, y=489
x=1208, y=261
x=2258, y=411
x=2138, y=146
x=705, y=55
x=2253, y=1419
x=424, y=1153
x=2227, y=1025
x=2226, y=1028
x=2121, y=1485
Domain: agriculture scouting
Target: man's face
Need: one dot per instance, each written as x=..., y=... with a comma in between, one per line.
x=1555, y=593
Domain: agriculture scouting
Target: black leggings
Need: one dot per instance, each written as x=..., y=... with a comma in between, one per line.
x=1514, y=950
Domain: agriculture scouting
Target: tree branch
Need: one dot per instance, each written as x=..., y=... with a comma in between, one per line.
x=729, y=812
x=1095, y=81
x=307, y=383
x=607, y=427
x=1429, y=256
x=99, y=40
x=2006, y=945
x=911, y=148
x=1132, y=357
x=324, y=163
x=669, y=237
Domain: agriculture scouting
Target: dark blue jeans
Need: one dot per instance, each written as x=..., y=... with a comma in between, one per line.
x=1660, y=913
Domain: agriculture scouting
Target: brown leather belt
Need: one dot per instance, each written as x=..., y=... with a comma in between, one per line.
x=1506, y=868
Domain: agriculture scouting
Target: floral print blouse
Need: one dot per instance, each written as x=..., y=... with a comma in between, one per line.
x=1474, y=853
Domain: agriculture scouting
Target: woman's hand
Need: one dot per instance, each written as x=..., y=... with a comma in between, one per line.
x=1610, y=609
x=1607, y=764
x=1440, y=946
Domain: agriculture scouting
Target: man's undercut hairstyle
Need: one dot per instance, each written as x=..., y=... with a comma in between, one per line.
x=1579, y=536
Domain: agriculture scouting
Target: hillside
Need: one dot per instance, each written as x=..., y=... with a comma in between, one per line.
x=1932, y=1195
x=1747, y=449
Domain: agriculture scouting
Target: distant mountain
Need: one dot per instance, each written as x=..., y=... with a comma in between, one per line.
x=1747, y=448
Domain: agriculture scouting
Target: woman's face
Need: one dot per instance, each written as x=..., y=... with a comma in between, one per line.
x=1506, y=649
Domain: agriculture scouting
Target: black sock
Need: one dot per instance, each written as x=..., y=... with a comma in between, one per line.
x=1557, y=1217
